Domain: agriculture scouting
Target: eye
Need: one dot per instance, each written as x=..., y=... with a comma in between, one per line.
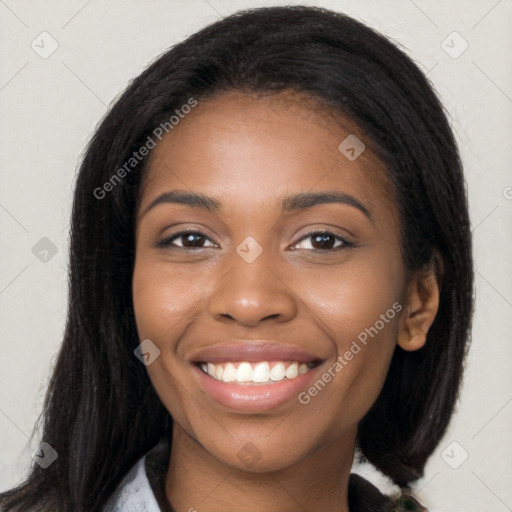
x=190, y=239
x=323, y=241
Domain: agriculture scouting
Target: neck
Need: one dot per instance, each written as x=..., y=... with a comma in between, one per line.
x=196, y=481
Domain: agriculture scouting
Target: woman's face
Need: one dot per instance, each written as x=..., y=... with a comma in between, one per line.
x=289, y=281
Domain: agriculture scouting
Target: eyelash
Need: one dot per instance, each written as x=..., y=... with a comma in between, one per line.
x=168, y=242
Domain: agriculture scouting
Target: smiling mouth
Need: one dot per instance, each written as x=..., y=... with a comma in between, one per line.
x=261, y=372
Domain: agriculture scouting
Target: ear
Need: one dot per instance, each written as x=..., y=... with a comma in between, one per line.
x=421, y=305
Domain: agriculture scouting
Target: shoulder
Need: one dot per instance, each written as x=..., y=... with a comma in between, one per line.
x=134, y=493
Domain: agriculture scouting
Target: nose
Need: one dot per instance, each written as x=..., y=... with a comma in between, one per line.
x=252, y=292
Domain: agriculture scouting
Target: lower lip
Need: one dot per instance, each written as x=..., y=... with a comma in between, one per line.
x=257, y=397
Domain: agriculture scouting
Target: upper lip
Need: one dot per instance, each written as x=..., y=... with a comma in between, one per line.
x=252, y=352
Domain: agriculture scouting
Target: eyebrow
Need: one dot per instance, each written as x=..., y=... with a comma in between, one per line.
x=289, y=204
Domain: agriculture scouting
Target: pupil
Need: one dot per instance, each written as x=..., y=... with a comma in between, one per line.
x=323, y=239
x=190, y=242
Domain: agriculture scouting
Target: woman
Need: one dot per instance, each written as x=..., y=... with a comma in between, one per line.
x=270, y=266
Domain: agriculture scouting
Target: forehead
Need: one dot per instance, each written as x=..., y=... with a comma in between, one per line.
x=252, y=150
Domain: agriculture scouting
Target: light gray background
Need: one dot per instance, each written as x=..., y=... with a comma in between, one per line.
x=50, y=107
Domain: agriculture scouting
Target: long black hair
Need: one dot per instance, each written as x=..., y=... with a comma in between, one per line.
x=101, y=412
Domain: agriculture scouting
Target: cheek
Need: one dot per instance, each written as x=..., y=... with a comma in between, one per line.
x=352, y=297
x=165, y=302
x=358, y=306
x=164, y=299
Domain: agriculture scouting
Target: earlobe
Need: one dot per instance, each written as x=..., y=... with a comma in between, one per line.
x=421, y=306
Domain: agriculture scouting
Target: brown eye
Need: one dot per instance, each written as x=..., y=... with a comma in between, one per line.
x=189, y=240
x=323, y=241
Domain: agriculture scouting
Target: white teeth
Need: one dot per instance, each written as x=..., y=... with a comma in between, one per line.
x=292, y=371
x=244, y=372
x=260, y=372
x=278, y=372
x=229, y=374
x=303, y=368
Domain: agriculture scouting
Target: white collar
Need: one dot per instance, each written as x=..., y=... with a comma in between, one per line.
x=134, y=493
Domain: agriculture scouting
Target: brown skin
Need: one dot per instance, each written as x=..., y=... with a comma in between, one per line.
x=249, y=153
